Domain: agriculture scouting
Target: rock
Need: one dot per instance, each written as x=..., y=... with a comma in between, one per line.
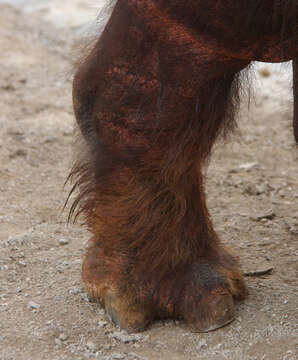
x=74, y=291
x=250, y=189
x=50, y=140
x=292, y=226
x=63, y=242
x=133, y=356
x=269, y=215
x=263, y=188
x=248, y=166
x=202, y=344
x=84, y=297
x=63, y=337
x=58, y=342
x=91, y=346
x=21, y=263
x=118, y=356
x=33, y=305
x=258, y=189
x=102, y=324
x=59, y=269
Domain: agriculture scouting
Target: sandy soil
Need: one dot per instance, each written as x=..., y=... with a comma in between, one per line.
x=252, y=182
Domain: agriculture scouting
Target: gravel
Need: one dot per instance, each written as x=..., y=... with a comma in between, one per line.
x=126, y=338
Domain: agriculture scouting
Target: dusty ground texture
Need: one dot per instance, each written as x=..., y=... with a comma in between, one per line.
x=252, y=184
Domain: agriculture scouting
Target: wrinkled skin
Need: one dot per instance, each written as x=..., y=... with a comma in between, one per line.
x=152, y=96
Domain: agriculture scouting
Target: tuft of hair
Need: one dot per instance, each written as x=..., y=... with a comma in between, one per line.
x=104, y=15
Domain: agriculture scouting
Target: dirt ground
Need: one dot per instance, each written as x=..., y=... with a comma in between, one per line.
x=252, y=184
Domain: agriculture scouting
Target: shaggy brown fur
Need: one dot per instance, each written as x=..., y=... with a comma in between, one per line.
x=151, y=98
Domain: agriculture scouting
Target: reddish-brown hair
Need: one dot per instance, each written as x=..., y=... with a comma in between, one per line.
x=157, y=89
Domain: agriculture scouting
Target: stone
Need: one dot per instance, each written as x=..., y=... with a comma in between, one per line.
x=58, y=342
x=91, y=346
x=102, y=324
x=248, y=166
x=63, y=337
x=118, y=356
x=33, y=305
x=202, y=344
x=63, y=242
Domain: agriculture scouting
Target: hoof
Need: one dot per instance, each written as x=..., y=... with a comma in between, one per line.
x=127, y=316
x=217, y=312
x=202, y=293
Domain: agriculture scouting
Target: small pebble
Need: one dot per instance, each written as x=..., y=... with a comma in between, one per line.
x=63, y=242
x=50, y=140
x=248, y=166
x=118, y=356
x=21, y=263
x=63, y=337
x=202, y=344
x=59, y=269
x=91, y=346
x=133, y=356
x=58, y=342
x=250, y=189
x=74, y=291
x=270, y=215
x=102, y=324
x=33, y=305
x=85, y=297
